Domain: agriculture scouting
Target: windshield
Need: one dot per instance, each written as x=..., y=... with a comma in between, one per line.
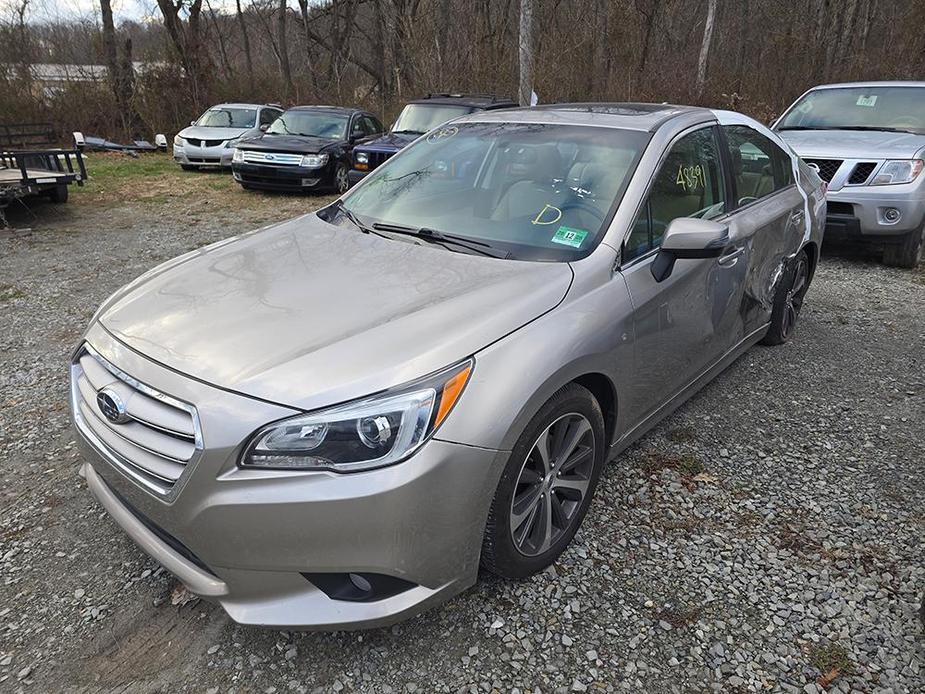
x=422, y=118
x=331, y=126
x=539, y=192
x=228, y=118
x=875, y=108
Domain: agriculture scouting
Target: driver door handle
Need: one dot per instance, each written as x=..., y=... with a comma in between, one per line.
x=732, y=257
x=796, y=218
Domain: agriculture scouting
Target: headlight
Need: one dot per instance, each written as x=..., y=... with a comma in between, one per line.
x=231, y=143
x=178, y=141
x=362, y=158
x=313, y=161
x=898, y=171
x=238, y=155
x=365, y=434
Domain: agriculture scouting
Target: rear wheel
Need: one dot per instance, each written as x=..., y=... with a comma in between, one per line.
x=908, y=253
x=789, y=301
x=58, y=193
x=547, y=485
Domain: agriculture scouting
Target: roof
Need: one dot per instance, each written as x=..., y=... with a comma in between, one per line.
x=343, y=110
x=483, y=101
x=882, y=83
x=628, y=116
x=237, y=105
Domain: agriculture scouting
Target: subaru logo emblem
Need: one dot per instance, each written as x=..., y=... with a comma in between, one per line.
x=111, y=406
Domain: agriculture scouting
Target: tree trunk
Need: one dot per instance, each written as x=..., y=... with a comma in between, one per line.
x=285, y=69
x=245, y=39
x=525, y=50
x=705, y=47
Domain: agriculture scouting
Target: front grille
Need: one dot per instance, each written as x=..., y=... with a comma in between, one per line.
x=840, y=208
x=862, y=172
x=195, y=142
x=281, y=158
x=826, y=167
x=378, y=158
x=160, y=436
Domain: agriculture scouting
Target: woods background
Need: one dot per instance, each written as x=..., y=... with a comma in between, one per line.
x=757, y=56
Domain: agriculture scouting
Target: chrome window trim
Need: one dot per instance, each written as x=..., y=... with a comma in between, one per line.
x=125, y=466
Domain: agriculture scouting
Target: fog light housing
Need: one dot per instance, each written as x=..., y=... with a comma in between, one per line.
x=891, y=215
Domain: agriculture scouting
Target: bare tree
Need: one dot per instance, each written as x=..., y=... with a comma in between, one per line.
x=525, y=52
x=249, y=60
x=285, y=70
x=705, y=47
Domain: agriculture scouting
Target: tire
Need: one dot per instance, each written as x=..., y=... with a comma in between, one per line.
x=58, y=194
x=189, y=167
x=908, y=253
x=341, y=181
x=549, y=510
x=788, y=301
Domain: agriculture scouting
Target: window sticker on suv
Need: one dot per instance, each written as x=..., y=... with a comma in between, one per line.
x=568, y=236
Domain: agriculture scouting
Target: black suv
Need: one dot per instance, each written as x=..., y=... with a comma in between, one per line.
x=417, y=118
x=306, y=148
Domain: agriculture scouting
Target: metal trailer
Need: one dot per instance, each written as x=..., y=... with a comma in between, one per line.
x=39, y=172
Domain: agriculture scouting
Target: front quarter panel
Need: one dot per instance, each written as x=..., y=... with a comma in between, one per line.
x=590, y=332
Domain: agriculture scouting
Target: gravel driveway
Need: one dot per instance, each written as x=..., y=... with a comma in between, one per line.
x=768, y=536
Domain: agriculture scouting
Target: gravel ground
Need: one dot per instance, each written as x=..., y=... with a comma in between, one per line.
x=768, y=536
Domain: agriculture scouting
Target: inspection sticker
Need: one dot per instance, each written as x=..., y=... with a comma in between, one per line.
x=568, y=236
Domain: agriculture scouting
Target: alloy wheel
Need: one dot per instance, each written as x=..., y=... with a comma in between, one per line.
x=552, y=484
x=340, y=179
x=794, y=301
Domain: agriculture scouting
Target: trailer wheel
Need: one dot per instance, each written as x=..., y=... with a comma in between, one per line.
x=58, y=193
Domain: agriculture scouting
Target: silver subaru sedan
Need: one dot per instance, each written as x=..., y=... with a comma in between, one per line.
x=335, y=421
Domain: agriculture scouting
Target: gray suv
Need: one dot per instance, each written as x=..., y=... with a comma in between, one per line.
x=867, y=141
x=333, y=422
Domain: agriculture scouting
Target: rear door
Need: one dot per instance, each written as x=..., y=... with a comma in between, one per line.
x=687, y=322
x=769, y=210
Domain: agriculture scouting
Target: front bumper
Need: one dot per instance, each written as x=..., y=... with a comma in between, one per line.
x=860, y=211
x=354, y=176
x=203, y=156
x=291, y=178
x=244, y=538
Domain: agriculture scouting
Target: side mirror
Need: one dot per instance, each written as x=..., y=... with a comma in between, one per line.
x=687, y=237
x=263, y=127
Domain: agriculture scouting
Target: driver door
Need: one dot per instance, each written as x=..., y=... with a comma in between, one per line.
x=687, y=322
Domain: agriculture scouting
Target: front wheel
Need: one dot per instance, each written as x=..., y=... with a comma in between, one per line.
x=788, y=302
x=908, y=253
x=189, y=167
x=546, y=486
x=341, y=181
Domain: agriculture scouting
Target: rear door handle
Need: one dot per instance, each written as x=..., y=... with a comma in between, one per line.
x=732, y=258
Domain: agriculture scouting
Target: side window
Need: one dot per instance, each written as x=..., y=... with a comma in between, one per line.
x=759, y=166
x=268, y=115
x=689, y=183
x=359, y=126
x=372, y=125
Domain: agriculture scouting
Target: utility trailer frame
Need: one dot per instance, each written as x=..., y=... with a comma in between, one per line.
x=45, y=172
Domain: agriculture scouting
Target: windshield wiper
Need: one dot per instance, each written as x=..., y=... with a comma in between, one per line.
x=352, y=218
x=434, y=236
x=874, y=127
x=409, y=132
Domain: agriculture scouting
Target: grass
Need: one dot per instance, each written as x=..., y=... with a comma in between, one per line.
x=153, y=179
x=8, y=293
x=831, y=660
x=686, y=465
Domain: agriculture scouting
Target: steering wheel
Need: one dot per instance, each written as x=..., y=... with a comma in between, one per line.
x=586, y=206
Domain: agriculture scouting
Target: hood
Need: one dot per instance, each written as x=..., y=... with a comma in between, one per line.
x=853, y=144
x=308, y=314
x=203, y=133
x=390, y=142
x=299, y=144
